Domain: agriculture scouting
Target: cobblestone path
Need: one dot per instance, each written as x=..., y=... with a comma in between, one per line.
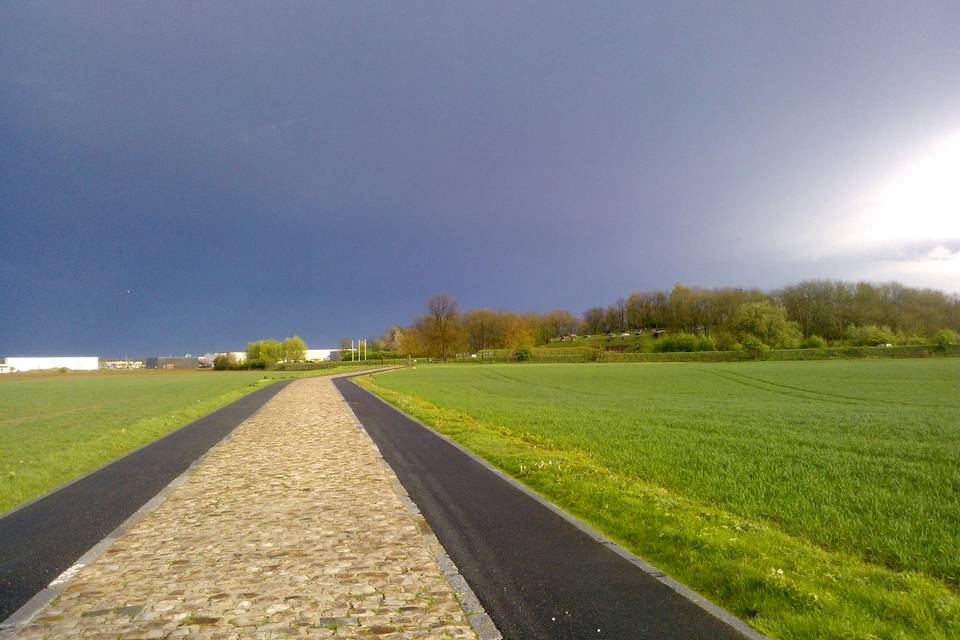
x=292, y=528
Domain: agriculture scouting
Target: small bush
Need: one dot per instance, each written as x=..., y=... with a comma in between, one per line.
x=726, y=341
x=522, y=354
x=870, y=335
x=224, y=362
x=706, y=344
x=813, y=342
x=254, y=363
x=754, y=346
x=682, y=342
x=644, y=345
x=945, y=338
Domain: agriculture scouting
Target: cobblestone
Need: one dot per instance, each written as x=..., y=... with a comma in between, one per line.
x=292, y=528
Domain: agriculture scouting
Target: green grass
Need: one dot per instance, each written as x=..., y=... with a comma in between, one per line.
x=55, y=427
x=813, y=499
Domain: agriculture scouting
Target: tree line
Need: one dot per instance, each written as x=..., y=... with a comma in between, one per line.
x=812, y=313
x=824, y=308
x=444, y=330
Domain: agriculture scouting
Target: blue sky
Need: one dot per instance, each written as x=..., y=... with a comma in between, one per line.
x=183, y=177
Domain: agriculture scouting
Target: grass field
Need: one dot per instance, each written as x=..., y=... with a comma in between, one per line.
x=55, y=427
x=813, y=499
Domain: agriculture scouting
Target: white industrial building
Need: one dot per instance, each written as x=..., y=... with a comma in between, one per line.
x=309, y=355
x=74, y=363
x=319, y=354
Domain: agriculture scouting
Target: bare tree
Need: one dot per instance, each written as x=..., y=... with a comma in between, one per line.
x=441, y=325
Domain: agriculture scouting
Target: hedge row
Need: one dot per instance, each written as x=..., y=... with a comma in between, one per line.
x=829, y=353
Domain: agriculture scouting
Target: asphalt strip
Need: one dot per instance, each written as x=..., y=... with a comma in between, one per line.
x=42, y=539
x=537, y=571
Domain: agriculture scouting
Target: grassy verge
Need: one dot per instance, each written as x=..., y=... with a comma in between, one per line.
x=55, y=427
x=549, y=354
x=795, y=547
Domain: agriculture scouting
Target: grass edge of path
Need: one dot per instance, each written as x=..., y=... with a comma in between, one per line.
x=782, y=585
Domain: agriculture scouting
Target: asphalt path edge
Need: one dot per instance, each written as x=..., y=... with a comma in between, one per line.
x=477, y=616
x=22, y=616
x=715, y=611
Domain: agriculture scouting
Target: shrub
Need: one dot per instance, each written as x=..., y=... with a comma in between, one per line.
x=870, y=335
x=254, y=363
x=908, y=340
x=225, y=361
x=945, y=338
x=813, y=342
x=754, y=346
x=684, y=342
x=726, y=341
x=522, y=354
x=644, y=345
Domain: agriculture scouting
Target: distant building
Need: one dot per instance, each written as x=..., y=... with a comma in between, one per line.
x=173, y=362
x=74, y=363
x=123, y=364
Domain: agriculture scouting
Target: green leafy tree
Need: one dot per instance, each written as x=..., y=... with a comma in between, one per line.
x=294, y=349
x=768, y=323
x=266, y=351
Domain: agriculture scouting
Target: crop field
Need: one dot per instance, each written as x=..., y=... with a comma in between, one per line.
x=55, y=427
x=812, y=499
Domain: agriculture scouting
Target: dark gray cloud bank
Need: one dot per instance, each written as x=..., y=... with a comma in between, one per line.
x=258, y=169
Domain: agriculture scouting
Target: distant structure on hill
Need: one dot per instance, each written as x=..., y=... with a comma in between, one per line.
x=74, y=363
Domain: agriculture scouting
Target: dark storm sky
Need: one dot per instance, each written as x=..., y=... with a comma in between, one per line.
x=188, y=176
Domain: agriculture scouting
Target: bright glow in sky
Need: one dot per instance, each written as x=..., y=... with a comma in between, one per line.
x=918, y=203
x=909, y=222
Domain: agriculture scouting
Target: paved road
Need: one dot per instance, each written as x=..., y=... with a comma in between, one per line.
x=537, y=575
x=291, y=526
x=40, y=541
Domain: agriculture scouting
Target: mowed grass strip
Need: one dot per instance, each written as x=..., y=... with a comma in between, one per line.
x=813, y=499
x=55, y=427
